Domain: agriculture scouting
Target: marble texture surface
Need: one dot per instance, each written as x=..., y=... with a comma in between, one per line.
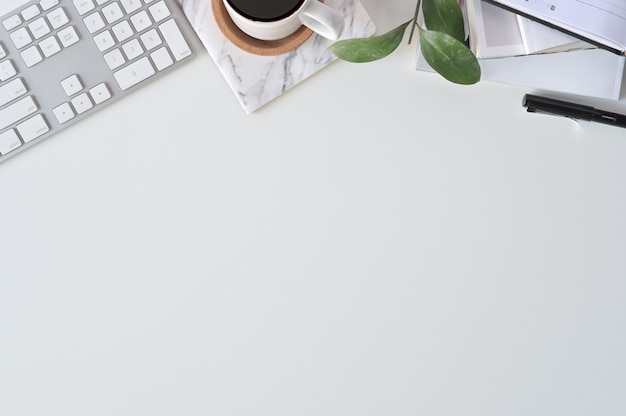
x=255, y=79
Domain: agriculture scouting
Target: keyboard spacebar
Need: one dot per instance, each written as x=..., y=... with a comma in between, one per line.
x=17, y=111
x=134, y=73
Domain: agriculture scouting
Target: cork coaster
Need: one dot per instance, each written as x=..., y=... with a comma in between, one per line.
x=253, y=45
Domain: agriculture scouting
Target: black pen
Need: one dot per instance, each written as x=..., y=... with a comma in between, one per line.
x=536, y=104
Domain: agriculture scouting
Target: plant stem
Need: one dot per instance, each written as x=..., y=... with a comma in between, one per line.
x=417, y=10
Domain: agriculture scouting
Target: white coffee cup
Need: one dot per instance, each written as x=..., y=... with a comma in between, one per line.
x=264, y=25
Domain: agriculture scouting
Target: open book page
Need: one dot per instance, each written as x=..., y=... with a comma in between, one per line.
x=539, y=38
x=497, y=33
x=493, y=31
x=603, y=21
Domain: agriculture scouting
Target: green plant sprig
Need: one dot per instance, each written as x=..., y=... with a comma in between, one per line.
x=442, y=42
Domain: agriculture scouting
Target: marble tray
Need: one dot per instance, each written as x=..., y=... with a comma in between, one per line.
x=257, y=79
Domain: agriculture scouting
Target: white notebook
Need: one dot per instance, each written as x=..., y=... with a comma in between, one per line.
x=592, y=72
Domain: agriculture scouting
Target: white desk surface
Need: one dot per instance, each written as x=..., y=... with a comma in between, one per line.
x=376, y=241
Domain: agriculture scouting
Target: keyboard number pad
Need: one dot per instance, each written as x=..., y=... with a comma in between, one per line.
x=137, y=38
x=160, y=58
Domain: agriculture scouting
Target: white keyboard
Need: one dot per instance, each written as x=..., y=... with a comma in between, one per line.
x=62, y=60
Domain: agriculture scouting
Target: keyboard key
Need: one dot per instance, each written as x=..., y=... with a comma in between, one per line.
x=21, y=38
x=140, y=21
x=82, y=103
x=39, y=28
x=161, y=58
x=68, y=36
x=17, y=111
x=175, y=40
x=122, y=31
x=31, y=56
x=131, y=5
x=159, y=11
x=100, y=93
x=33, y=128
x=48, y=4
x=64, y=113
x=151, y=39
x=71, y=85
x=104, y=41
x=49, y=46
x=7, y=70
x=114, y=59
x=9, y=141
x=84, y=6
x=58, y=18
x=112, y=12
x=12, y=22
x=12, y=90
x=3, y=52
x=132, y=49
x=134, y=73
x=94, y=22
x=31, y=12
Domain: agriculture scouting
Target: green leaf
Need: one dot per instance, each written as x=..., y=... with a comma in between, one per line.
x=449, y=57
x=369, y=49
x=444, y=16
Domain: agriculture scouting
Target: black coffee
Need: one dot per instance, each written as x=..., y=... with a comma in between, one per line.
x=265, y=10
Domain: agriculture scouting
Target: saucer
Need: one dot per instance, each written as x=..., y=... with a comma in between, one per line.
x=253, y=45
